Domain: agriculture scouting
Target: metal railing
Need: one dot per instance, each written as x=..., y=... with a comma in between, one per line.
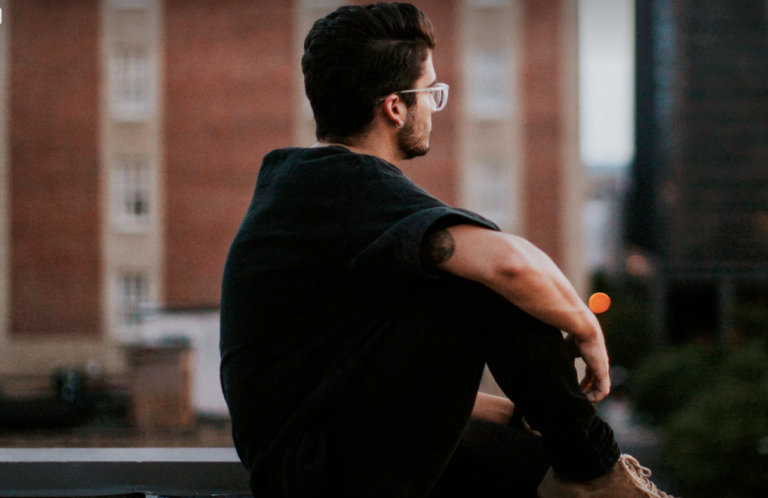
x=73, y=472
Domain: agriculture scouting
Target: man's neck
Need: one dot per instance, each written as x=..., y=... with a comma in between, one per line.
x=383, y=147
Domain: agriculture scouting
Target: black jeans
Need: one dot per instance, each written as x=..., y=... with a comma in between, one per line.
x=403, y=427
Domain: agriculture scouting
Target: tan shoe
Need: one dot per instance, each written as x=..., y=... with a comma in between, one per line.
x=627, y=479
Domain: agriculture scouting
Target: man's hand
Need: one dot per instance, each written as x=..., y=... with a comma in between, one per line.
x=596, y=383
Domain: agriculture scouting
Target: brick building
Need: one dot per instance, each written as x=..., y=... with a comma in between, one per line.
x=699, y=205
x=131, y=132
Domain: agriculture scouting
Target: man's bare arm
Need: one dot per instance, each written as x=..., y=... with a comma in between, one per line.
x=438, y=248
x=523, y=274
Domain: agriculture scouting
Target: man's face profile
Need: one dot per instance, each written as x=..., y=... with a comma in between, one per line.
x=413, y=137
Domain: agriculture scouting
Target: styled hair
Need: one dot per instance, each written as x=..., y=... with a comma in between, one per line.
x=357, y=54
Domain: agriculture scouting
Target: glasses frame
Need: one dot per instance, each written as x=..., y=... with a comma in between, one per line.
x=433, y=103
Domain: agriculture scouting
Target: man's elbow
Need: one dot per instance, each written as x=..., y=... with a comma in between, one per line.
x=511, y=262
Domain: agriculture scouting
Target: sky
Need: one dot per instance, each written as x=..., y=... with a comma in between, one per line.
x=606, y=82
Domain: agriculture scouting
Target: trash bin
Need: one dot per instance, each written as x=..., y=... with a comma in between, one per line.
x=160, y=386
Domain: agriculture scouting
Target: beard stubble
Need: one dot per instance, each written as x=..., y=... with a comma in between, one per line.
x=413, y=139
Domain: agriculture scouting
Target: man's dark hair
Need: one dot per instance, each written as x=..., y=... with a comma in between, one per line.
x=357, y=54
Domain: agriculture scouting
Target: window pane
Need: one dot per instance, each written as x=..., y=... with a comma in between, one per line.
x=132, y=190
x=488, y=85
x=487, y=188
x=132, y=82
x=134, y=295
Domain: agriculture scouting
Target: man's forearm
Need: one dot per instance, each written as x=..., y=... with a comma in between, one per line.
x=530, y=279
x=516, y=269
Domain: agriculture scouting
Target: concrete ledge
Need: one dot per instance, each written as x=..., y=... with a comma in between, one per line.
x=72, y=472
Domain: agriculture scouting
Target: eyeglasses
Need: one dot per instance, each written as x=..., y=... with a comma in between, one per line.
x=438, y=95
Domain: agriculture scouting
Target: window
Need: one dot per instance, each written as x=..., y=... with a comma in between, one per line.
x=322, y=4
x=132, y=83
x=488, y=3
x=488, y=83
x=131, y=194
x=130, y=4
x=488, y=191
x=134, y=296
x=306, y=108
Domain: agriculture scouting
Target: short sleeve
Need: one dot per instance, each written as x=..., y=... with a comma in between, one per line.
x=396, y=253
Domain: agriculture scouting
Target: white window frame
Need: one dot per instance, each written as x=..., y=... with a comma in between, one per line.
x=488, y=189
x=132, y=182
x=133, y=82
x=132, y=292
x=306, y=108
x=489, y=95
x=322, y=4
x=489, y=3
x=131, y=4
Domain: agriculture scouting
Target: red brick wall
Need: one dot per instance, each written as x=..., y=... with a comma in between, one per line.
x=228, y=101
x=54, y=113
x=438, y=171
x=543, y=124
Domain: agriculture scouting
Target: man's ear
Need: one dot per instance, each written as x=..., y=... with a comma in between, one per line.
x=395, y=110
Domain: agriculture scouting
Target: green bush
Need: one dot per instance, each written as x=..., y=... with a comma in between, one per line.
x=666, y=381
x=712, y=402
x=712, y=442
x=750, y=319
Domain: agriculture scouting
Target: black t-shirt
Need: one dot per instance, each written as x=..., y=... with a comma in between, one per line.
x=315, y=274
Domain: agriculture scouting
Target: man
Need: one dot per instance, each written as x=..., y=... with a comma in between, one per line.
x=358, y=311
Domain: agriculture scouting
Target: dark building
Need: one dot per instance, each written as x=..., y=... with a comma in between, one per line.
x=698, y=204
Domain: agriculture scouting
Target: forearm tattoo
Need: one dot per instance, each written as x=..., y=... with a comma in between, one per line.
x=437, y=248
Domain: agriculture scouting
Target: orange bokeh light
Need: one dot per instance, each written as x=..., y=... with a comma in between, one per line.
x=599, y=302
